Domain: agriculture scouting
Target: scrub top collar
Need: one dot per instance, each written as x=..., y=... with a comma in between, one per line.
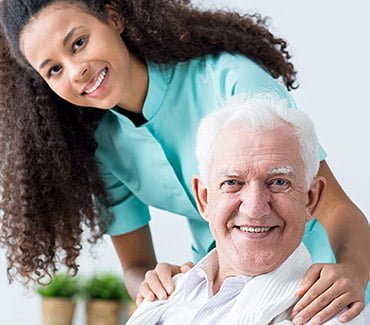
x=159, y=77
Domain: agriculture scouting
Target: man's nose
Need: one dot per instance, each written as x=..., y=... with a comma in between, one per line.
x=255, y=201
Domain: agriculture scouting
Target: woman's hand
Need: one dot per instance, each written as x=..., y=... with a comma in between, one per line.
x=158, y=282
x=326, y=290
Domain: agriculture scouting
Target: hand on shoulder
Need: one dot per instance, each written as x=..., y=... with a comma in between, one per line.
x=158, y=283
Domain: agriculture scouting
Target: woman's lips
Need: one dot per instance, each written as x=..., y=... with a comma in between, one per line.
x=94, y=86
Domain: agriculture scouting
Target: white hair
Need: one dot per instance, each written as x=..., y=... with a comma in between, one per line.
x=261, y=112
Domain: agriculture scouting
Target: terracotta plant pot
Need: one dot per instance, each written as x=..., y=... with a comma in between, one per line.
x=103, y=312
x=57, y=311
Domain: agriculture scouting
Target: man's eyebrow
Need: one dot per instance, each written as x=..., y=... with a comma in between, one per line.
x=284, y=170
x=65, y=41
x=228, y=172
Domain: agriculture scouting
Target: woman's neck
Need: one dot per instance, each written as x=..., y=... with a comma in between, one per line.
x=134, y=99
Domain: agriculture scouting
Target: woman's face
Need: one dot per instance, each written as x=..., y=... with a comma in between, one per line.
x=82, y=59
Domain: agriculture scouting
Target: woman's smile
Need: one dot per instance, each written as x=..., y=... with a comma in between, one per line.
x=83, y=59
x=95, y=87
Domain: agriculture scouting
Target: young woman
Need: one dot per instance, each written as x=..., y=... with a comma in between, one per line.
x=153, y=69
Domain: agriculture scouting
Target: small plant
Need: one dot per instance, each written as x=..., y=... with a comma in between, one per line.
x=105, y=286
x=61, y=286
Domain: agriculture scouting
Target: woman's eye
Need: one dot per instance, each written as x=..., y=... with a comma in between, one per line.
x=279, y=184
x=54, y=70
x=79, y=43
x=231, y=185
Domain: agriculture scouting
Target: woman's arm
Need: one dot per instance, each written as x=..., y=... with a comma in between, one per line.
x=328, y=288
x=347, y=227
x=136, y=253
x=144, y=278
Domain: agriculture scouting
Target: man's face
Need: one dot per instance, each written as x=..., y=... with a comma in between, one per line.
x=255, y=201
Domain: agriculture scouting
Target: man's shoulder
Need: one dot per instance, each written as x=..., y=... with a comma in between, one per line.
x=179, y=278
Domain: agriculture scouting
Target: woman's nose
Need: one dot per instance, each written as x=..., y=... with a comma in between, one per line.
x=78, y=72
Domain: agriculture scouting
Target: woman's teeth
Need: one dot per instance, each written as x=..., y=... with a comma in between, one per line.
x=98, y=82
x=255, y=229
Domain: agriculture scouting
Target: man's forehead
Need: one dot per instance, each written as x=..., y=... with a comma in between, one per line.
x=238, y=139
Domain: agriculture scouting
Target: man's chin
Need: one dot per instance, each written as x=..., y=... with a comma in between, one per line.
x=259, y=262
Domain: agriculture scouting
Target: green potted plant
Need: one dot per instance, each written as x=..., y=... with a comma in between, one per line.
x=58, y=303
x=105, y=294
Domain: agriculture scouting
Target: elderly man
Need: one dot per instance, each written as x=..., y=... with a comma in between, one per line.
x=257, y=189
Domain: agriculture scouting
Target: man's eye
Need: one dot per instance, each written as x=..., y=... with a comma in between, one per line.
x=231, y=185
x=279, y=184
x=78, y=44
x=54, y=70
x=231, y=182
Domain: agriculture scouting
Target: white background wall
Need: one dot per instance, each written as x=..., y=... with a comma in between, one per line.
x=329, y=41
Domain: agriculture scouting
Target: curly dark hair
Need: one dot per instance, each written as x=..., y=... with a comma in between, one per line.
x=49, y=179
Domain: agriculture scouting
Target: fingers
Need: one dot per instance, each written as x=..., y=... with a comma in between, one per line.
x=139, y=300
x=319, y=314
x=315, y=290
x=151, y=288
x=331, y=293
x=353, y=311
x=327, y=313
x=144, y=293
x=158, y=282
x=311, y=276
x=186, y=267
x=164, y=273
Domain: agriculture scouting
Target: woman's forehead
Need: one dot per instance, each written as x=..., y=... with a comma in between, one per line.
x=51, y=26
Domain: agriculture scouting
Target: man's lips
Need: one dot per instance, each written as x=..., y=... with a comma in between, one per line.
x=254, y=229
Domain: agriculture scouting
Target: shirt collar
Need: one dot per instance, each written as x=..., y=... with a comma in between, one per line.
x=206, y=270
x=159, y=76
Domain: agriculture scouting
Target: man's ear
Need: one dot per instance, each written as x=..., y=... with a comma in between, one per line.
x=114, y=18
x=314, y=196
x=201, y=196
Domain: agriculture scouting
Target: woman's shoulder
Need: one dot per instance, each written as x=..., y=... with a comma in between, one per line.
x=221, y=60
x=217, y=65
x=213, y=60
x=220, y=68
x=228, y=58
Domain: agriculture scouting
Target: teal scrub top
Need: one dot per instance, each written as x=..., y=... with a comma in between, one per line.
x=153, y=164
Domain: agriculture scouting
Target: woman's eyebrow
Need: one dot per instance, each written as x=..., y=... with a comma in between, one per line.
x=65, y=41
x=70, y=34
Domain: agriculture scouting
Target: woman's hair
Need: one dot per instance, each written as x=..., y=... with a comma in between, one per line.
x=49, y=179
x=259, y=113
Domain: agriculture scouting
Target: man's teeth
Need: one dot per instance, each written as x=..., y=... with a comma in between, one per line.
x=254, y=229
x=98, y=82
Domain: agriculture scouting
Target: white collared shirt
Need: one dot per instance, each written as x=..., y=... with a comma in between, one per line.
x=198, y=305
x=260, y=300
